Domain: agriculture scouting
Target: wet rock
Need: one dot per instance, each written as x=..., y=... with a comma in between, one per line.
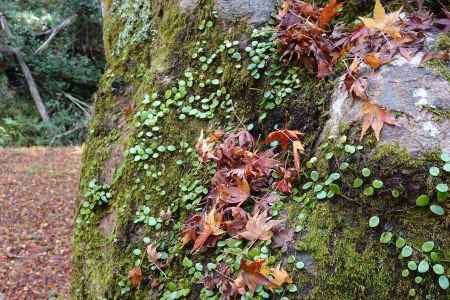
x=414, y=93
x=255, y=11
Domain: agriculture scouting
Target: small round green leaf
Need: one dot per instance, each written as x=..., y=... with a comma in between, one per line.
x=442, y=187
x=374, y=221
x=406, y=251
x=445, y=156
x=405, y=273
x=365, y=172
x=412, y=292
x=423, y=267
x=357, y=183
x=400, y=243
x=437, y=209
x=300, y=265
x=368, y=191
x=443, y=282
x=412, y=265
x=321, y=195
x=422, y=200
x=434, y=171
x=386, y=237
x=378, y=184
x=446, y=167
x=438, y=269
x=418, y=279
x=427, y=246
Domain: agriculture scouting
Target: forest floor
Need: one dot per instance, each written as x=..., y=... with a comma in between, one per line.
x=38, y=188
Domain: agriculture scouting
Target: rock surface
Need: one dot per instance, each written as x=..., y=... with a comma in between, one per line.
x=256, y=11
x=412, y=92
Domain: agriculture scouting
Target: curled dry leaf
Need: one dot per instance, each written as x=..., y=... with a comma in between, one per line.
x=153, y=254
x=251, y=276
x=375, y=116
x=135, y=276
x=383, y=22
x=297, y=149
x=211, y=226
x=259, y=227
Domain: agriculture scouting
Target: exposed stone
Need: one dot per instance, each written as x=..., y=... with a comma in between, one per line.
x=188, y=6
x=108, y=223
x=255, y=11
x=412, y=92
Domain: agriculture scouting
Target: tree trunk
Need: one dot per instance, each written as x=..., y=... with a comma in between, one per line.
x=141, y=152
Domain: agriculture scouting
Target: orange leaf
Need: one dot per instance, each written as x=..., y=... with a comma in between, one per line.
x=135, y=276
x=279, y=275
x=375, y=116
x=374, y=60
x=283, y=136
x=329, y=12
x=211, y=226
x=251, y=276
x=383, y=22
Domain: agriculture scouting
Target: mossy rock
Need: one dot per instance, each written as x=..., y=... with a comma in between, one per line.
x=343, y=256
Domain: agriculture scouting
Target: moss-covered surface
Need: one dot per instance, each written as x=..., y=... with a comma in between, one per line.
x=349, y=261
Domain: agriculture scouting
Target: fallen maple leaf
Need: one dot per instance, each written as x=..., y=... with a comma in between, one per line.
x=329, y=12
x=153, y=254
x=375, y=116
x=211, y=226
x=374, y=60
x=279, y=275
x=250, y=276
x=283, y=137
x=135, y=275
x=259, y=227
x=383, y=22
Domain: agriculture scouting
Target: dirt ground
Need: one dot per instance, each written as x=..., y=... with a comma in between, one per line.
x=38, y=188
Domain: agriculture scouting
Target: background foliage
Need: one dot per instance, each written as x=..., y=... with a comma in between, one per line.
x=66, y=72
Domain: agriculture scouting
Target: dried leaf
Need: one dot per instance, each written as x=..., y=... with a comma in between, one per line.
x=250, y=276
x=329, y=12
x=279, y=275
x=153, y=254
x=135, y=276
x=297, y=149
x=259, y=227
x=374, y=60
x=211, y=226
x=283, y=137
x=375, y=116
x=382, y=21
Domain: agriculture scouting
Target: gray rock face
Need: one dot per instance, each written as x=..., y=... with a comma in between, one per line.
x=413, y=92
x=188, y=6
x=255, y=11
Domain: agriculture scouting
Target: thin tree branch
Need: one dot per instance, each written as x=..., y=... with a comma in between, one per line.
x=54, y=32
x=25, y=70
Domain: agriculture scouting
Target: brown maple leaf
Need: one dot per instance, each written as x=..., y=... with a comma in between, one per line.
x=329, y=12
x=189, y=232
x=250, y=276
x=259, y=227
x=135, y=275
x=375, y=116
x=212, y=223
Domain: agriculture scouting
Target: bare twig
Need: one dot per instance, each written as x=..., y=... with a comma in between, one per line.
x=54, y=32
x=25, y=70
